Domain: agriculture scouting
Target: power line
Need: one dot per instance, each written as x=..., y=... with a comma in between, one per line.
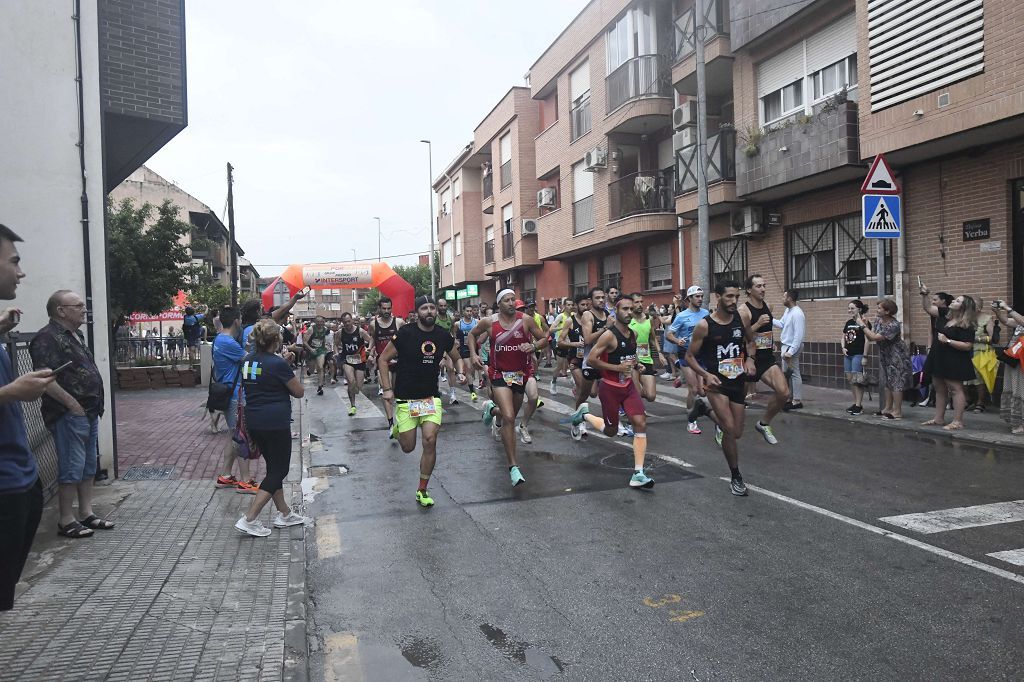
x=396, y=255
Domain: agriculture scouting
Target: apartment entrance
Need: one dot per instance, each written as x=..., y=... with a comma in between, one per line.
x=1017, y=240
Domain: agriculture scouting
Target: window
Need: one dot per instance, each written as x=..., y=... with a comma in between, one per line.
x=505, y=151
x=507, y=236
x=634, y=34
x=446, y=253
x=579, y=97
x=489, y=244
x=611, y=272
x=831, y=258
x=658, y=271
x=458, y=244
x=580, y=283
x=783, y=102
x=583, y=199
x=728, y=261
x=530, y=286
x=446, y=201
x=457, y=186
x=835, y=77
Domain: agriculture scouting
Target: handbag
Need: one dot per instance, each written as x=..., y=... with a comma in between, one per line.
x=219, y=396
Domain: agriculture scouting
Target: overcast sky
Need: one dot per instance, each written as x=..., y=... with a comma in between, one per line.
x=320, y=106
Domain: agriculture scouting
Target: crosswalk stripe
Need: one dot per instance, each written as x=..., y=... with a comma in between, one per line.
x=958, y=518
x=1010, y=556
x=365, y=408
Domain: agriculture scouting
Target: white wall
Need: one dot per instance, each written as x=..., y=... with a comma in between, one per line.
x=40, y=185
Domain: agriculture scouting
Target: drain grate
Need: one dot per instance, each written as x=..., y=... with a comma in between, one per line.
x=147, y=473
x=329, y=470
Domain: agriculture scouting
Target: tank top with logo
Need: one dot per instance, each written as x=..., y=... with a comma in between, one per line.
x=764, y=337
x=723, y=350
x=625, y=349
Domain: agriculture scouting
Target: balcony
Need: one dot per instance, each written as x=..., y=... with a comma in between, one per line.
x=717, y=51
x=488, y=186
x=715, y=18
x=508, y=246
x=636, y=78
x=489, y=251
x=802, y=154
x=506, y=174
x=579, y=117
x=721, y=170
x=583, y=215
x=638, y=193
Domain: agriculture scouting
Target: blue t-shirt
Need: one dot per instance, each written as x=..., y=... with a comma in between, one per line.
x=191, y=327
x=682, y=327
x=268, y=404
x=17, y=465
x=226, y=356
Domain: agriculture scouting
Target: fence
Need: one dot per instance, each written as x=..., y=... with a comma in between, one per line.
x=40, y=440
x=152, y=350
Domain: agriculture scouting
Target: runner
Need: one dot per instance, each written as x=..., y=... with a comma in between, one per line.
x=462, y=329
x=680, y=332
x=331, y=367
x=514, y=337
x=570, y=340
x=593, y=322
x=533, y=400
x=445, y=322
x=561, y=354
x=614, y=355
x=716, y=352
x=352, y=342
x=756, y=315
x=315, y=343
x=417, y=350
x=383, y=327
x=646, y=330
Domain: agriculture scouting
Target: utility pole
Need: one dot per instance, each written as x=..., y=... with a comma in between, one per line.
x=703, y=217
x=430, y=185
x=378, y=237
x=231, y=239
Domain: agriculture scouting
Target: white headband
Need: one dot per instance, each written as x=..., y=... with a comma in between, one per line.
x=503, y=293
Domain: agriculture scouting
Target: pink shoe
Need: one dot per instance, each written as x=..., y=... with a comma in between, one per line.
x=692, y=427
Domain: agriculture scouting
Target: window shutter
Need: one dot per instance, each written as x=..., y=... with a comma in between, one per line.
x=833, y=43
x=582, y=182
x=579, y=81
x=780, y=70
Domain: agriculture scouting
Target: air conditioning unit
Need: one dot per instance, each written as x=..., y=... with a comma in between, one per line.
x=685, y=115
x=747, y=221
x=529, y=226
x=595, y=158
x=546, y=197
x=687, y=137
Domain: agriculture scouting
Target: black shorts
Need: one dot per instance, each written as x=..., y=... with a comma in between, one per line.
x=647, y=370
x=735, y=391
x=561, y=352
x=361, y=367
x=329, y=356
x=464, y=352
x=762, y=363
x=591, y=374
x=498, y=382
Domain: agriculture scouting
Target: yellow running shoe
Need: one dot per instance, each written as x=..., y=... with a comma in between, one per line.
x=423, y=497
x=352, y=411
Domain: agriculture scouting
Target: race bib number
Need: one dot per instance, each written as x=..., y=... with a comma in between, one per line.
x=764, y=340
x=422, y=408
x=353, y=359
x=731, y=368
x=512, y=378
x=316, y=343
x=643, y=350
x=579, y=352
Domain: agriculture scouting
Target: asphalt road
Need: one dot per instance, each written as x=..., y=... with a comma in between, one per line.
x=575, y=576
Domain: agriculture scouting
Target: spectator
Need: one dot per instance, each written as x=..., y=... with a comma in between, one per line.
x=21, y=493
x=894, y=356
x=982, y=346
x=268, y=381
x=793, y=325
x=1011, y=406
x=72, y=407
x=951, y=361
x=853, y=354
x=227, y=360
x=937, y=307
x=192, y=332
x=172, y=342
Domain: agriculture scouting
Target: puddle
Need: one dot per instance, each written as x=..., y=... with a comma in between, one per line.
x=422, y=653
x=523, y=653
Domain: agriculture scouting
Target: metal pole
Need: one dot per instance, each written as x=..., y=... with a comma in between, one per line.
x=378, y=237
x=430, y=162
x=703, y=216
x=880, y=265
x=231, y=240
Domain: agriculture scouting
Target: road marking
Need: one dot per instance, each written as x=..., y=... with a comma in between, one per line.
x=341, y=658
x=683, y=616
x=664, y=601
x=958, y=518
x=1010, y=556
x=952, y=556
x=365, y=408
x=328, y=538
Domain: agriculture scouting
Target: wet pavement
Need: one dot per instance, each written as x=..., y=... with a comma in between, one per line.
x=575, y=576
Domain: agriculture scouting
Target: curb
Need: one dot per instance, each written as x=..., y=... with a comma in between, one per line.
x=296, y=644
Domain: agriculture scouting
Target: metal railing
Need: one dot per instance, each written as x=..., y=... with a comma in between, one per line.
x=644, y=76
x=721, y=162
x=155, y=350
x=579, y=117
x=583, y=215
x=488, y=186
x=642, y=192
x=610, y=281
x=40, y=440
x=506, y=174
x=508, y=246
x=489, y=251
x=715, y=19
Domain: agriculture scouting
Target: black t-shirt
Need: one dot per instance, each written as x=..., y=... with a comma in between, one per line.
x=419, y=356
x=938, y=322
x=853, y=338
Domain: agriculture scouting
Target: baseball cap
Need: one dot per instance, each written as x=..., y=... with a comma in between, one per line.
x=694, y=290
x=519, y=304
x=530, y=302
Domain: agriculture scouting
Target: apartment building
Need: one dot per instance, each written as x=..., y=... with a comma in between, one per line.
x=460, y=235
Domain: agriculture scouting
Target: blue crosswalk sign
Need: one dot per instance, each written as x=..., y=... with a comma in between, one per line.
x=882, y=215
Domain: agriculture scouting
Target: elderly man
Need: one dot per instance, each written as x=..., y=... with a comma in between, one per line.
x=21, y=494
x=72, y=407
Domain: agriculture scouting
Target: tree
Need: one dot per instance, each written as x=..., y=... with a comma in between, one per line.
x=149, y=264
x=416, y=275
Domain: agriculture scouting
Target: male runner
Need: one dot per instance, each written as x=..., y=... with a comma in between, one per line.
x=722, y=352
x=561, y=354
x=383, y=328
x=646, y=330
x=570, y=340
x=756, y=315
x=514, y=337
x=331, y=367
x=462, y=329
x=593, y=322
x=352, y=342
x=680, y=332
x=614, y=355
x=417, y=350
x=444, y=321
x=533, y=401
x=315, y=343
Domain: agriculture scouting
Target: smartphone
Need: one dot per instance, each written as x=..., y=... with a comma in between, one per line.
x=997, y=303
x=920, y=284
x=63, y=367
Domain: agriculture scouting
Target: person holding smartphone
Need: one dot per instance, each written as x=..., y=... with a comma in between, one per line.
x=1011, y=406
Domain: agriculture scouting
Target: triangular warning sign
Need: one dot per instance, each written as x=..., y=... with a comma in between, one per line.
x=882, y=220
x=880, y=179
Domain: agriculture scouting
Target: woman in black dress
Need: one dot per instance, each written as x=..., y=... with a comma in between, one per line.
x=951, y=362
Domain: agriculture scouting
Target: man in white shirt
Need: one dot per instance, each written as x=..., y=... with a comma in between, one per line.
x=793, y=325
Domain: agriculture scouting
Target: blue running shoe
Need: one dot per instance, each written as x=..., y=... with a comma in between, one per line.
x=641, y=480
x=516, y=476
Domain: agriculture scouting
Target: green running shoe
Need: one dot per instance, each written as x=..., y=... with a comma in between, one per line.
x=423, y=497
x=516, y=476
x=577, y=416
x=641, y=480
x=352, y=411
x=487, y=416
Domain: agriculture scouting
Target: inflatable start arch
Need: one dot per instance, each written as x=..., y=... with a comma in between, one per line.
x=378, y=276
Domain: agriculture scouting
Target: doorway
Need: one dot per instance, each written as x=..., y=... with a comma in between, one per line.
x=1017, y=239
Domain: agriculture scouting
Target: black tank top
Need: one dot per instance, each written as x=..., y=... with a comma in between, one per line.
x=625, y=348
x=352, y=344
x=382, y=335
x=764, y=336
x=722, y=352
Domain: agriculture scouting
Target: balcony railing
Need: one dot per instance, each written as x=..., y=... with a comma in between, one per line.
x=583, y=215
x=715, y=18
x=488, y=186
x=721, y=162
x=489, y=251
x=643, y=192
x=645, y=76
x=580, y=119
x=506, y=174
x=508, y=245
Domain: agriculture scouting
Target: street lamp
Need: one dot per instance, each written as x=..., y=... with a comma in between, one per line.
x=354, y=255
x=430, y=185
x=378, y=237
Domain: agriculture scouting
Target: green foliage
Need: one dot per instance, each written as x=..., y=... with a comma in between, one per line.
x=148, y=265
x=416, y=275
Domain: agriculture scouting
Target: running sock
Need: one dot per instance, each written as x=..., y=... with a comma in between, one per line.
x=639, y=450
x=423, y=483
x=761, y=423
x=594, y=421
x=734, y=471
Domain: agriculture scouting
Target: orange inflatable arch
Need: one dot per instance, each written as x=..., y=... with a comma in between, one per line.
x=378, y=276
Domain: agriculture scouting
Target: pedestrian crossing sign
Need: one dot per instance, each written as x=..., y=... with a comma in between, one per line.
x=882, y=216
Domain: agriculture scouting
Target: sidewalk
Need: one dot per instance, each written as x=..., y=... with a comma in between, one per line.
x=174, y=592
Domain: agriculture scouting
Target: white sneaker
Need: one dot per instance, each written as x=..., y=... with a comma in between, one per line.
x=524, y=434
x=553, y=388
x=253, y=528
x=666, y=375
x=293, y=519
x=380, y=391
x=452, y=400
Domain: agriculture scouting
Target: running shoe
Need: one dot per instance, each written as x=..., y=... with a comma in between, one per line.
x=766, y=431
x=319, y=390
x=737, y=486
x=424, y=498
x=292, y=519
x=452, y=400
x=392, y=433
x=553, y=387
x=641, y=480
x=472, y=396
x=849, y=410
x=516, y=476
x=719, y=435
x=380, y=391
x=856, y=409
x=692, y=427
x=540, y=403
x=248, y=488
x=577, y=416
x=254, y=528
x=575, y=432
x=626, y=430
x=334, y=381
x=352, y=411
x=665, y=375
x=524, y=434
x=495, y=430
x=487, y=416
x=444, y=377
x=227, y=482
